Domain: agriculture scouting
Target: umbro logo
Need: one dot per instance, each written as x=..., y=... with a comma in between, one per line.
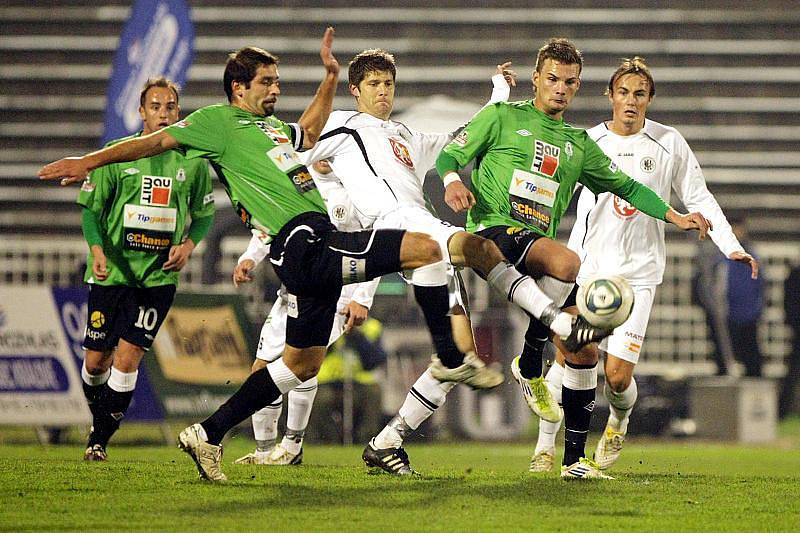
x=589, y=406
x=524, y=133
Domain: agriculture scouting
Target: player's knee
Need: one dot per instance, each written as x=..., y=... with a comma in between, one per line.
x=567, y=266
x=423, y=250
x=307, y=370
x=618, y=381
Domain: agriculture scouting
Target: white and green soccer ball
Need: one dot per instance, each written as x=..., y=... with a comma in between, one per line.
x=605, y=301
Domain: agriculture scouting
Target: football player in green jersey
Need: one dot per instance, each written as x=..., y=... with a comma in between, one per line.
x=134, y=215
x=254, y=155
x=529, y=162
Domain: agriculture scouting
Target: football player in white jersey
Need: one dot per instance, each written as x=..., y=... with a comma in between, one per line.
x=610, y=236
x=382, y=164
x=352, y=309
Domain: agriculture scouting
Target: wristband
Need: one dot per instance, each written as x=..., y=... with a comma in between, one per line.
x=450, y=177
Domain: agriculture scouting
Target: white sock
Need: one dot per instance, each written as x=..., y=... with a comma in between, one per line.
x=122, y=381
x=425, y=396
x=265, y=424
x=579, y=378
x=555, y=289
x=284, y=378
x=91, y=379
x=301, y=400
x=518, y=288
x=620, y=405
x=549, y=430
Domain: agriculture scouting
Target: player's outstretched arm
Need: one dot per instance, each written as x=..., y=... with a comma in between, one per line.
x=316, y=114
x=75, y=169
x=689, y=221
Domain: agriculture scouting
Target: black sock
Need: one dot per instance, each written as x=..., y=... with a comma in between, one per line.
x=92, y=394
x=110, y=408
x=578, y=406
x=257, y=391
x=530, y=361
x=435, y=304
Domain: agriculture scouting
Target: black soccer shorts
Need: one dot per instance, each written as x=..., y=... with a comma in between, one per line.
x=314, y=261
x=120, y=312
x=514, y=243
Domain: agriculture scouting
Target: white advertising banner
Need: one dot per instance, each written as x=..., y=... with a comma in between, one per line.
x=39, y=382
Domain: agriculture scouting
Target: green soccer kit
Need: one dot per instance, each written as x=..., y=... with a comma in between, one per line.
x=528, y=165
x=256, y=160
x=142, y=207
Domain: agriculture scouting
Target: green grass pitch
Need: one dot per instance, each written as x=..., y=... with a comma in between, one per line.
x=660, y=486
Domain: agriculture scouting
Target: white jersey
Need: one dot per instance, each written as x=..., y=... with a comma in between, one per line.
x=382, y=163
x=611, y=236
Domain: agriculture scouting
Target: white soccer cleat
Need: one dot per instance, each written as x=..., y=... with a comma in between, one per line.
x=543, y=461
x=280, y=456
x=609, y=447
x=538, y=396
x=207, y=457
x=95, y=453
x=473, y=372
x=254, y=458
x=583, y=469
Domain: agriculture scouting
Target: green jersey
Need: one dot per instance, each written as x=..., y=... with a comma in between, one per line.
x=256, y=160
x=528, y=166
x=142, y=207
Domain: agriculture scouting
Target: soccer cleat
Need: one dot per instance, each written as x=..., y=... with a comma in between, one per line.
x=254, y=458
x=609, y=447
x=543, y=461
x=538, y=396
x=473, y=372
x=207, y=457
x=392, y=460
x=583, y=333
x=583, y=469
x=282, y=456
x=95, y=453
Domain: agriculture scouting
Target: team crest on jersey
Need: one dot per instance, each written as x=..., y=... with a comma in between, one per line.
x=545, y=158
x=277, y=136
x=181, y=176
x=87, y=186
x=401, y=152
x=648, y=164
x=568, y=149
x=623, y=209
x=156, y=190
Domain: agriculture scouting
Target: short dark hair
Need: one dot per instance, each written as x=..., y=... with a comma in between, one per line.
x=561, y=50
x=161, y=81
x=372, y=60
x=632, y=66
x=242, y=66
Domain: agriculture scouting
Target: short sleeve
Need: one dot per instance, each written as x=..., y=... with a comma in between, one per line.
x=201, y=134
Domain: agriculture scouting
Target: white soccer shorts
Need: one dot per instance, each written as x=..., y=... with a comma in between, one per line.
x=417, y=219
x=273, y=333
x=627, y=340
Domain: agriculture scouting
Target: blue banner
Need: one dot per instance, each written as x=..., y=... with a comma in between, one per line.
x=158, y=40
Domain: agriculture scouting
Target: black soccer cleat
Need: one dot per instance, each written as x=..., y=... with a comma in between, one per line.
x=583, y=333
x=392, y=460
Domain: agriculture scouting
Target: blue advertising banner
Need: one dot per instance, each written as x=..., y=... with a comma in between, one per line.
x=158, y=40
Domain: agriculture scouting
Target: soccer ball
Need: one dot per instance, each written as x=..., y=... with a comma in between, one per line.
x=605, y=301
